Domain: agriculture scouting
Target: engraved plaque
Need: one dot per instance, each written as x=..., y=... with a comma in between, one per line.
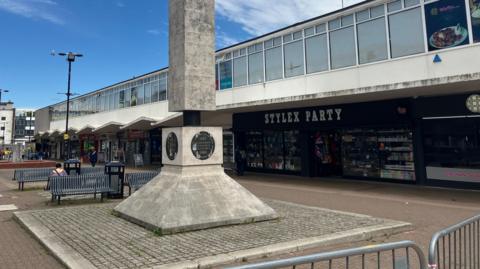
x=203, y=145
x=171, y=146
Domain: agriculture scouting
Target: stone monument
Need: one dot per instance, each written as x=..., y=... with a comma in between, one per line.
x=192, y=191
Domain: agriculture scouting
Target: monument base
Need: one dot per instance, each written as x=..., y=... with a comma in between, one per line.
x=186, y=198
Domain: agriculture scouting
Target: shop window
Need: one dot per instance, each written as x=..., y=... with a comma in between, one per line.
x=254, y=149
x=342, y=48
x=372, y=41
x=293, y=53
x=316, y=53
x=273, y=150
x=406, y=33
x=293, y=159
x=225, y=69
x=452, y=149
x=255, y=68
x=273, y=63
x=446, y=23
x=240, y=71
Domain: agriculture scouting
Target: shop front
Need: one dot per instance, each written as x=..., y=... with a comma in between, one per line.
x=451, y=139
x=365, y=140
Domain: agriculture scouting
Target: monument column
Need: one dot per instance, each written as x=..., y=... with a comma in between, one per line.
x=192, y=191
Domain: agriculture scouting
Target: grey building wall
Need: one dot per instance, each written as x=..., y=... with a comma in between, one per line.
x=42, y=120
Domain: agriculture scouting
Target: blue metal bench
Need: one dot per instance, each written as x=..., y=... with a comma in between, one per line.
x=91, y=170
x=136, y=180
x=31, y=175
x=79, y=185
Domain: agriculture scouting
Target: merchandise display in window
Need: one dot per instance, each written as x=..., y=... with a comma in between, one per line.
x=360, y=153
x=228, y=148
x=273, y=150
x=293, y=161
x=254, y=147
x=396, y=154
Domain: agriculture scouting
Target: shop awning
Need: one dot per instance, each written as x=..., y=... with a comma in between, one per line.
x=108, y=128
x=87, y=129
x=141, y=124
x=170, y=121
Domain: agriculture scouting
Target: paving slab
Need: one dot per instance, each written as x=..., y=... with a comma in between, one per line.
x=8, y=207
x=92, y=237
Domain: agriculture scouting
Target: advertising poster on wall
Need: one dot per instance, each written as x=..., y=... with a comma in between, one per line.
x=475, y=13
x=446, y=23
x=225, y=75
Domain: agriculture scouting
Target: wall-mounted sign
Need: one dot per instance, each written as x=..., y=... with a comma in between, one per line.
x=171, y=146
x=446, y=23
x=313, y=115
x=203, y=145
x=473, y=103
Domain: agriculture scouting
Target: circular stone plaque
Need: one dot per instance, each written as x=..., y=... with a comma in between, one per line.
x=171, y=146
x=473, y=103
x=203, y=145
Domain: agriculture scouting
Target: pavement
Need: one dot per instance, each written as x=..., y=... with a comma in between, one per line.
x=428, y=209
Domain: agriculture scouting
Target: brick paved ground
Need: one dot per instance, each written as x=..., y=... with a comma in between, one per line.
x=111, y=242
x=429, y=209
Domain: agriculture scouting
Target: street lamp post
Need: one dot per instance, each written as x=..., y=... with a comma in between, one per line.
x=1, y=90
x=70, y=59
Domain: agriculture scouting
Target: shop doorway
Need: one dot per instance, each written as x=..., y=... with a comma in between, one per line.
x=325, y=154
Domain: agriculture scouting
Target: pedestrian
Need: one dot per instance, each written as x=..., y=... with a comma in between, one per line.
x=93, y=157
x=240, y=158
x=58, y=171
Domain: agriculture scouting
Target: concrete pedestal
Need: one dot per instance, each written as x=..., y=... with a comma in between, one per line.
x=190, y=193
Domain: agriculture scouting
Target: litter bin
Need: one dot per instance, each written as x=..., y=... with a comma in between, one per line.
x=116, y=174
x=72, y=164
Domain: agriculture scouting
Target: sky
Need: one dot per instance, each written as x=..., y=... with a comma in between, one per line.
x=119, y=39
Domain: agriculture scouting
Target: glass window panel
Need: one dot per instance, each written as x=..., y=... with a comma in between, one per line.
x=335, y=24
x=406, y=33
x=287, y=38
x=394, y=6
x=309, y=31
x=251, y=49
x=236, y=53
x=293, y=53
x=273, y=63
x=116, y=99
x=377, y=11
x=162, y=89
x=347, y=20
x=372, y=41
x=475, y=17
x=148, y=93
x=111, y=100
x=141, y=95
x=363, y=15
x=277, y=41
x=155, y=91
x=243, y=52
x=127, y=97
x=316, y=49
x=269, y=43
x=409, y=3
x=225, y=75
x=217, y=84
x=321, y=28
x=342, y=48
x=240, y=71
x=228, y=56
x=297, y=35
x=133, y=97
x=255, y=68
x=259, y=47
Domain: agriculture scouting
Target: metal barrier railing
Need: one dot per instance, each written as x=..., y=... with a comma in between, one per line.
x=457, y=246
x=353, y=258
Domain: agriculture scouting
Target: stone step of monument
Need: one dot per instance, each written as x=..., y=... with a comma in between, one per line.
x=8, y=207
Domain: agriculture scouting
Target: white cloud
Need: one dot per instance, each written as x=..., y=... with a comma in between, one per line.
x=258, y=17
x=32, y=9
x=225, y=40
x=154, y=31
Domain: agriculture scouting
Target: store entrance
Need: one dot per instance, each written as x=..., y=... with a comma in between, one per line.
x=325, y=154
